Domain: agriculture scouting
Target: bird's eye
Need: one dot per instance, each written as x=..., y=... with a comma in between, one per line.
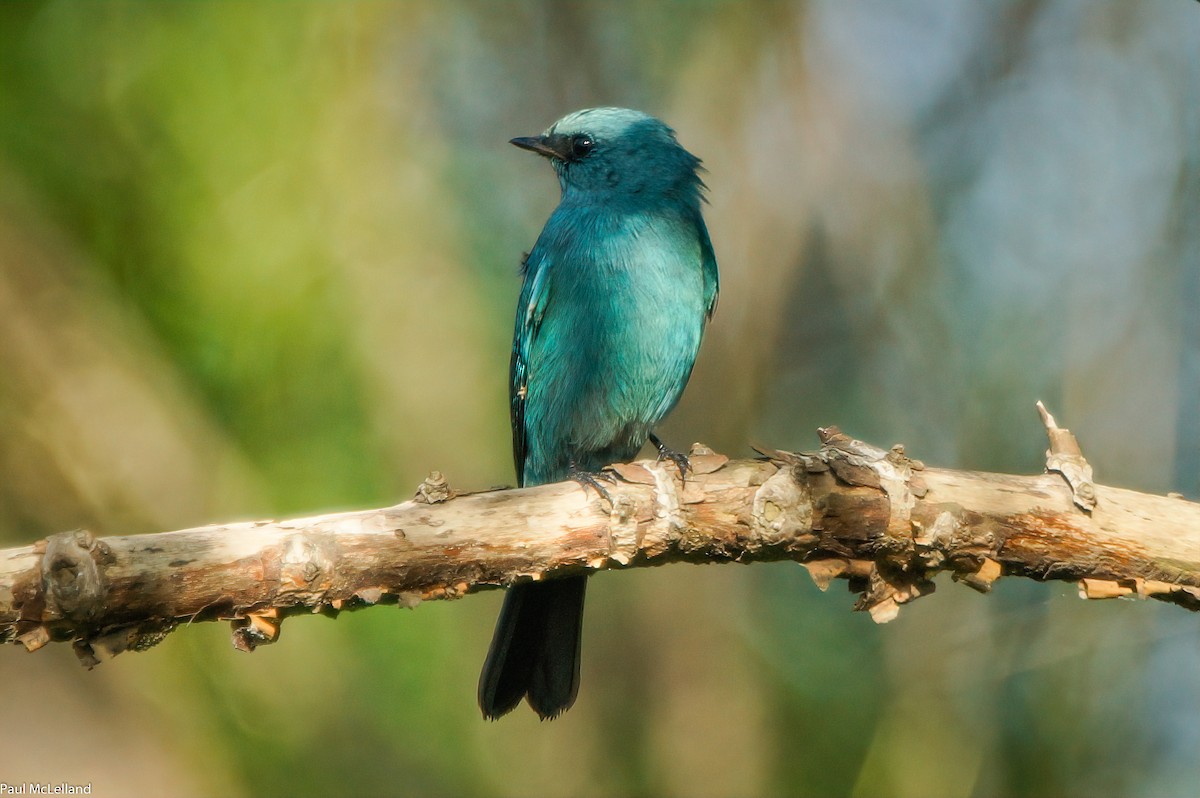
x=581, y=145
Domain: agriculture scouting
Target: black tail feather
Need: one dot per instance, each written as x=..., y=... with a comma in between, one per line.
x=535, y=649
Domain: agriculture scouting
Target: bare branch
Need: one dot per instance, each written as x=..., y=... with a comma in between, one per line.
x=882, y=521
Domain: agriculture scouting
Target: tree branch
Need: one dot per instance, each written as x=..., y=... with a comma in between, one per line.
x=878, y=519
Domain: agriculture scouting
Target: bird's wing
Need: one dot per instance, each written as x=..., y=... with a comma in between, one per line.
x=712, y=282
x=530, y=307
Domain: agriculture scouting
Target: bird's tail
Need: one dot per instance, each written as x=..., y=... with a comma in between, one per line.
x=535, y=649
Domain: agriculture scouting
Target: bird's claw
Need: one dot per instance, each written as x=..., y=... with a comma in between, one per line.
x=588, y=479
x=667, y=453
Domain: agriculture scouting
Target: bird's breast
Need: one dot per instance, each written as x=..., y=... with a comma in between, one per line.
x=619, y=336
x=638, y=292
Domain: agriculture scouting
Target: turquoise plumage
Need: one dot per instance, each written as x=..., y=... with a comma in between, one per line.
x=616, y=294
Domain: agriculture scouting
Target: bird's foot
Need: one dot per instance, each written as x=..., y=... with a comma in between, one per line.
x=667, y=453
x=589, y=479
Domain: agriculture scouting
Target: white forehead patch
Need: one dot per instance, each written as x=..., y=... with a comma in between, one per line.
x=600, y=122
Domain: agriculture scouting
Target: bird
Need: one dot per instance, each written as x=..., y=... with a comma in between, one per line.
x=615, y=296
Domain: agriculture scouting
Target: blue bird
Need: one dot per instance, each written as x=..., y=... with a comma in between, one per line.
x=615, y=297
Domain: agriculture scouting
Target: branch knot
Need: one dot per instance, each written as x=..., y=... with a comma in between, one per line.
x=72, y=576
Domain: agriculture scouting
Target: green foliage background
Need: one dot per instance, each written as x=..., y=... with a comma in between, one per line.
x=259, y=259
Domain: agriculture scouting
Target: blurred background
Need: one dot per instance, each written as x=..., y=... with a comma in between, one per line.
x=261, y=259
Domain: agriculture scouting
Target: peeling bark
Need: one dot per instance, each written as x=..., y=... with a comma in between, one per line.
x=875, y=518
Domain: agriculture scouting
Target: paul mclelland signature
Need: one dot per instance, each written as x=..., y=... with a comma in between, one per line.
x=44, y=788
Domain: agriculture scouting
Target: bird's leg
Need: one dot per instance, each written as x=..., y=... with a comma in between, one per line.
x=667, y=453
x=588, y=479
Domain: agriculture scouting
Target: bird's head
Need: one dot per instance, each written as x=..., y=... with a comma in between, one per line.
x=618, y=153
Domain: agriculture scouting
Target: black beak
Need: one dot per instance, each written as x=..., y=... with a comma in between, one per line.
x=548, y=146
